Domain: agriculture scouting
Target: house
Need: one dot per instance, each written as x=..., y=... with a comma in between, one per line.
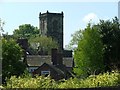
x=34, y=61
x=55, y=72
x=57, y=65
x=56, y=68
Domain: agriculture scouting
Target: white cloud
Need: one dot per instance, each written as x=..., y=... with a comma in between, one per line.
x=91, y=17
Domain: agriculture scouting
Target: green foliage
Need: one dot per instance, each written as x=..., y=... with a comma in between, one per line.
x=101, y=80
x=43, y=44
x=7, y=36
x=1, y=26
x=88, y=55
x=0, y=48
x=11, y=54
x=76, y=37
x=25, y=31
x=110, y=35
x=70, y=83
x=29, y=82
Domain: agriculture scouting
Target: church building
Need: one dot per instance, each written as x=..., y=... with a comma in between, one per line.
x=51, y=24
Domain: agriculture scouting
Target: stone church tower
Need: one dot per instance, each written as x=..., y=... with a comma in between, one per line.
x=51, y=24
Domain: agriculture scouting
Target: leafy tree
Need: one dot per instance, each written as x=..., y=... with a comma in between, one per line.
x=25, y=31
x=0, y=62
x=11, y=56
x=76, y=37
x=7, y=36
x=110, y=35
x=1, y=26
x=43, y=44
x=89, y=53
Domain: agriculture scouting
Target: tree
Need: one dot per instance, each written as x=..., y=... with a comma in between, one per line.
x=89, y=54
x=110, y=35
x=11, y=56
x=25, y=31
x=76, y=37
x=1, y=26
x=43, y=44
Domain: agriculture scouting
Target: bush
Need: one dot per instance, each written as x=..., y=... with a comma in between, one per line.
x=101, y=80
x=29, y=82
x=70, y=83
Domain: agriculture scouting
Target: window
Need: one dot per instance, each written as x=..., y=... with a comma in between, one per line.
x=32, y=70
x=46, y=73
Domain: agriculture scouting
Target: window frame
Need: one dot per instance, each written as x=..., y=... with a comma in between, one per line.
x=45, y=72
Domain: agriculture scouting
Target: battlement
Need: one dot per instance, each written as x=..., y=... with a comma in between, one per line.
x=51, y=24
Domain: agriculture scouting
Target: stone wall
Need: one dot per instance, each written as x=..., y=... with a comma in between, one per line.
x=51, y=24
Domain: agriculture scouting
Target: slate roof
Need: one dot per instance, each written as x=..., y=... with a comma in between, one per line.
x=68, y=61
x=58, y=69
x=37, y=60
x=54, y=68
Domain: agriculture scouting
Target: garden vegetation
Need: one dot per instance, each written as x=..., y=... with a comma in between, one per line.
x=96, y=56
x=102, y=80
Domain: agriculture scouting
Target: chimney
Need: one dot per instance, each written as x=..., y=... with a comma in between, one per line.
x=54, y=56
x=59, y=58
x=23, y=43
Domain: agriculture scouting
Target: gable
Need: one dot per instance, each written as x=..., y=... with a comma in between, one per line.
x=47, y=67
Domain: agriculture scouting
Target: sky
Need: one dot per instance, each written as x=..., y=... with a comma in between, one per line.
x=76, y=14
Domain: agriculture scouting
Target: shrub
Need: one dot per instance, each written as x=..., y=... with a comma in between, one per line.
x=101, y=80
x=29, y=82
x=70, y=83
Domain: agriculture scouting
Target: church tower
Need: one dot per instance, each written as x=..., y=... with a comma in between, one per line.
x=51, y=24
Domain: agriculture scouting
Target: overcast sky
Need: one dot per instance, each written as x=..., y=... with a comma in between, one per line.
x=76, y=14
